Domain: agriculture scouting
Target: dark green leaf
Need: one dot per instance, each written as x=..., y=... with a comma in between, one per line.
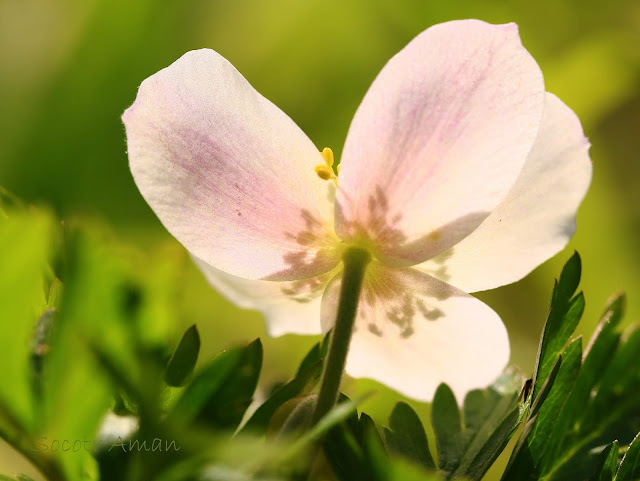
x=561, y=322
x=445, y=419
x=300, y=418
x=206, y=384
x=337, y=415
x=489, y=451
x=406, y=436
x=607, y=463
x=593, y=399
x=375, y=454
x=619, y=383
x=301, y=384
x=569, y=280
x=306, y=379
x=630, y=466
x=345, y=448
x=547, y=415
x=316, y=354
x=184, y=358
x=491, y=416
x=521, y=464
x=601, y=349
x=219, y=395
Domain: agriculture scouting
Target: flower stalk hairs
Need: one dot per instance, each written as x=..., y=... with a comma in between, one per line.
x=459, y=174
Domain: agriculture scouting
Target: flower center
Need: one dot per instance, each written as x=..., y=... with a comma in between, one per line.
x=325, y=171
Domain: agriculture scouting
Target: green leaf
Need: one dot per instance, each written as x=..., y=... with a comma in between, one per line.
x=489, y=451
x=629, y=469
x=547, y=415
x=601, y=349
x=569, y=280
x=491, y=416
x=227, y=407
x=92, y=314
x=521, y=464
x=593, y=399
x=544, y=413
x=23, y=477
x=619, y=384
x=445, y=419
x=300, y=417
x=564, y=315
x=317, y=353
x=374, y=451
x=184, y=358
x=406, y=436
x=345, y=449
x=220, y=393
x=604, y=403
x=354, y=448
x=19, y=477
x=400, y=470
x=25, y=245
x=465, y=449
x=337, y=415
x=607, y=463
x=306, y=379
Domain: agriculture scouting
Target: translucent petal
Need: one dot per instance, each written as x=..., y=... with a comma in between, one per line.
x=537, y=218
x=414, y=332
x=439, y=140
x=289, y=307
x=228, y=173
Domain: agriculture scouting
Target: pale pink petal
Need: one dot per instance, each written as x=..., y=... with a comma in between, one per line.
x=439, y=140
x=537, y=218
x=289, y=307
x=414, y=332
x=228, y=173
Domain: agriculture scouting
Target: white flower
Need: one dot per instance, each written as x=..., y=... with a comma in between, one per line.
x=458, y=170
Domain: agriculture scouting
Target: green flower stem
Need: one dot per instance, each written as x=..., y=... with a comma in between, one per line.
x=355, y=263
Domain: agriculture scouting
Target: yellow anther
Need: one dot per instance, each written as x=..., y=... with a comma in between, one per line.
x=338, y=168
x=327, y=154
x=324, y=172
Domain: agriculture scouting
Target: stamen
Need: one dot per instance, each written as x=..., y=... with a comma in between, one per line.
x=324, y=171
x=327, y=153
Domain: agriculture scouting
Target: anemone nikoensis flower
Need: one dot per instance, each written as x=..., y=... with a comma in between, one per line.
x=459, y=174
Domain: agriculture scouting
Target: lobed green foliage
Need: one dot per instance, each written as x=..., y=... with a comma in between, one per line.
x=85, y=358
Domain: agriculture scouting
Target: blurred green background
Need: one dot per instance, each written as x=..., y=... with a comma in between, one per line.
x=71, y=67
